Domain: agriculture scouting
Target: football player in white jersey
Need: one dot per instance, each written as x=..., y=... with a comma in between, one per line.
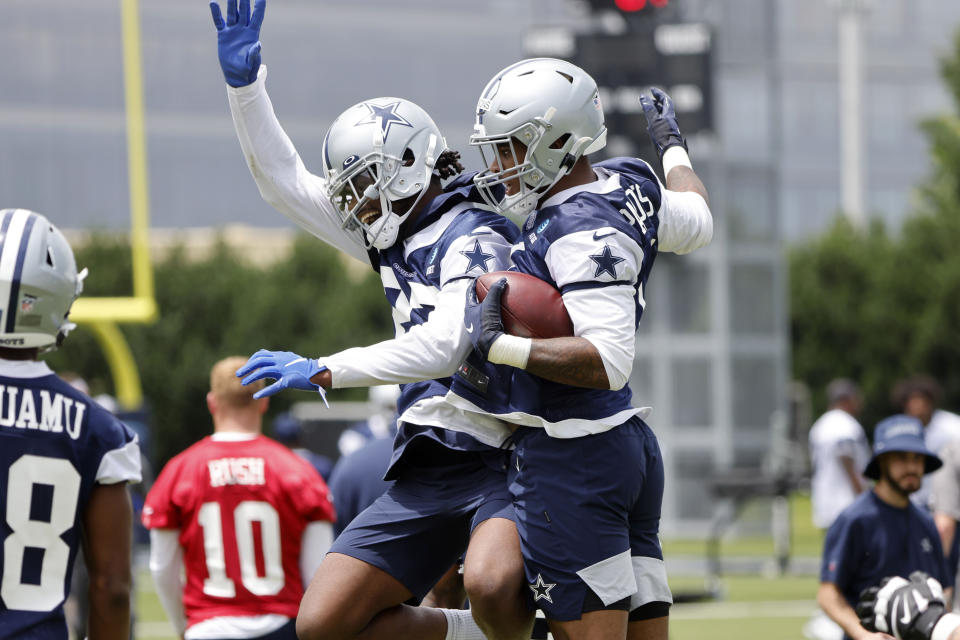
x=381, y=201
x=587, y=478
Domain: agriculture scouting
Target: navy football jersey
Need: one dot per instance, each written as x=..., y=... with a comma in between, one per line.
x=452, y=240
x=56, y=443
x=596, y=243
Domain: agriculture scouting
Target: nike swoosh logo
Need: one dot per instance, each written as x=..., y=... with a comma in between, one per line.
x=598, y=236
x=906, y=611
x=470, y=328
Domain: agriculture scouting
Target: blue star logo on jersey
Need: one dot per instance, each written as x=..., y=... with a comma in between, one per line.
x=541, y=589
x=385, y=116
x=606, y=262
x=478, y=259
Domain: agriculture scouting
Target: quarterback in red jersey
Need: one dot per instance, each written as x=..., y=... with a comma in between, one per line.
x=249, y=519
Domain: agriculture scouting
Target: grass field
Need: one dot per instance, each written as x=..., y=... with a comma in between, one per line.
x=749, y=606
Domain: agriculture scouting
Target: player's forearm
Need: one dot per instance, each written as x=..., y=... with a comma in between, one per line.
x=573, y=361
x=108, y=533
x=833, y=603
x=428, y=351
x=856, y=480
x=109, y=607
x=683, y=178
x=276, y=167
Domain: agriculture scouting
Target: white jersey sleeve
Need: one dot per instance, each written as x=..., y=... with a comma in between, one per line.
x=601, y=306
x=279, y=172
x=685, y=222
x=166, y=565
x=427, y=351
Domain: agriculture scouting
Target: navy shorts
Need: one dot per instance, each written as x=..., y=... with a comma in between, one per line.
x=421, y=526
x=588, y=513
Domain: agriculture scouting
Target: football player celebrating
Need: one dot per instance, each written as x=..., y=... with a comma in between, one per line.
x=381, y=201
x=230, y=502
x=588, y=476
x=66, y=460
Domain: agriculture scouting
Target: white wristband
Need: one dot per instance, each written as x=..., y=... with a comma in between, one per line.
x=675, y=156
x=945, y=626
x=510, y=350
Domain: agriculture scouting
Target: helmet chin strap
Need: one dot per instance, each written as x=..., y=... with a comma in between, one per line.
x=528, y=202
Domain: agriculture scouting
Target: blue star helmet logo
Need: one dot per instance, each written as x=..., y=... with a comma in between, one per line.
x=477, y=258
x=385, y=116
x=606, y=262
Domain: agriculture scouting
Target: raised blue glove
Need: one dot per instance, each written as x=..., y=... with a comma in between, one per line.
x=238, y=41
x=291, y=371
x=662, y=121
x=483, y=320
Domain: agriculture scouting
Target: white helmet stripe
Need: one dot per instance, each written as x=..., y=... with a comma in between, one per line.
x=12, y=232
x=17, y=273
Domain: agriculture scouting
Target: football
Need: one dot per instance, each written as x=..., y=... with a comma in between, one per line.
x=530, y=307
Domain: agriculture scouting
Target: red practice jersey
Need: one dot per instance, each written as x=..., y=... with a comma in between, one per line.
x=241, y=508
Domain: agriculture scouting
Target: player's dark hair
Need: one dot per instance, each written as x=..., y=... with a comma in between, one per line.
x=448, y=164
x=922, y=384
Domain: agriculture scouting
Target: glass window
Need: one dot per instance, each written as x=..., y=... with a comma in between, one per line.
x=744, y=111
x=753, y=301
x=754, y=392
x=692, y=392
x=750, y=206
x=641, y=382
x=691, y=467
x=689, y=297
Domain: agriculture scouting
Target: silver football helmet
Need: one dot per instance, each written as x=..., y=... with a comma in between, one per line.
x=38, y=281
x=553, y=109
x=379, y=151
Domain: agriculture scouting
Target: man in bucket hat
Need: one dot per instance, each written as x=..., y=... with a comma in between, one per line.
x=882, y=533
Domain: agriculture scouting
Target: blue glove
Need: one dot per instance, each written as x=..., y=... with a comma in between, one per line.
x=238, y=41
x=483, y=320
x=662, y=121
x=290, y=371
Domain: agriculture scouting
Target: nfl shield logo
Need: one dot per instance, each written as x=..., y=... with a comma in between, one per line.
x=26, y=304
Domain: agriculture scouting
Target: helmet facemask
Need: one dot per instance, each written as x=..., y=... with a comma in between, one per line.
x=375, y=193
x=548, y=106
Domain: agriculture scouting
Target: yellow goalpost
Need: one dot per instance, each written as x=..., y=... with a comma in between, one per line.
x=103, y=314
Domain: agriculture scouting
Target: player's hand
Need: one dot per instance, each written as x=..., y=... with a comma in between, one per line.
x=291, y=371
x=661, y=121
x=483, y=320
x=238, y=40
x=907, y=610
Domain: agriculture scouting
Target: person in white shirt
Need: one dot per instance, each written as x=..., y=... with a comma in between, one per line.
x=919, y=397
x=838, y=452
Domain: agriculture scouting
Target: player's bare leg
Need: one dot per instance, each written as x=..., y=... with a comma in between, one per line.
x=349, y=598
x=448, y=592
x=652, y=629
x=494, y=580
x=608, y=624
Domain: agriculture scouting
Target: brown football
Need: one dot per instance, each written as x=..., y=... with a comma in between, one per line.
x=530, y=307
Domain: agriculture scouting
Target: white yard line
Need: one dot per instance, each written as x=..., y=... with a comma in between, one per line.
x=743, y=610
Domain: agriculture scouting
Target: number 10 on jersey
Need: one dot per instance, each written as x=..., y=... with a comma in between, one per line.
x=218, y=584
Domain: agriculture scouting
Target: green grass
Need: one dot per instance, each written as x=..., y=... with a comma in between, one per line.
x=805, y=540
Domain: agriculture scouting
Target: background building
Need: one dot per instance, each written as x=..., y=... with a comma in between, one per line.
x=714, y=359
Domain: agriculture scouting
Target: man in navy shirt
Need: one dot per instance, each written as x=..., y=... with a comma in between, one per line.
x=882, y=533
